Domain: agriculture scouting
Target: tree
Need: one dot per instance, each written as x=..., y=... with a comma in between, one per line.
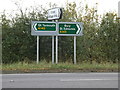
x=108, y=35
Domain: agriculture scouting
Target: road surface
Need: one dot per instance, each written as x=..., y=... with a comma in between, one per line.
x=60, y=80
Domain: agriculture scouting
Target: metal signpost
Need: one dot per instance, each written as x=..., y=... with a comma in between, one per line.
x=53, y=49
x=71, y=29
x=56, y=49
x=41, y=28
x=55, y=14
x=57, y=44
x=74, y=49
x=37, y=49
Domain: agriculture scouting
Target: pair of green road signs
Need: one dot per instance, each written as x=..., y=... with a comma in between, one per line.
x=41, y=28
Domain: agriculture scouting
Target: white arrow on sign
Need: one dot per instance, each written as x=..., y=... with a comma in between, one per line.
x=35, y=26
x=79, y=28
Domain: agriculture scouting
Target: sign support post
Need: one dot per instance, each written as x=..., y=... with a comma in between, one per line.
x=74, y=49
x=56, y=49
x=37, y=49
x=52, y=49
x=57, y=45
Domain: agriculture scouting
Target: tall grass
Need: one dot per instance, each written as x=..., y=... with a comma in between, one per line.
x=49, y=66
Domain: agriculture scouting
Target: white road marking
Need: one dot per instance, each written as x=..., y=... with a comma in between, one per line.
x=104, y=73
x=67, y=80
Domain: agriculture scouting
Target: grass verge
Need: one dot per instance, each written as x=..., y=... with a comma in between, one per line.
x=23, y=67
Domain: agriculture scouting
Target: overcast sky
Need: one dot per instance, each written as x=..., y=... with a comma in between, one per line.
x=103, y=5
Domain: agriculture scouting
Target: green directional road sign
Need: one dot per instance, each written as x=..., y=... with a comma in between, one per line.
x=40, y=28
x=70, y=28
x=45, y=26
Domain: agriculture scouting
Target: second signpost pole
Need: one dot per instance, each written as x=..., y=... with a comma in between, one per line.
x=74, y=49
x=52, y=49
x=57, y=45
x=37, y=49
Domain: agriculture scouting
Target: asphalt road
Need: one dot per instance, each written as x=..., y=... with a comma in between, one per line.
x=60, y=80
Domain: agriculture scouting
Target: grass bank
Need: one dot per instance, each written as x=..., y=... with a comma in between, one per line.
x=23, y=67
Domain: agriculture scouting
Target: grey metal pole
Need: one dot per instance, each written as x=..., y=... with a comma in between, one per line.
x=52, y=49
x=56, y=49
x=37, y=49
x=74, y=49
x=57, y=45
